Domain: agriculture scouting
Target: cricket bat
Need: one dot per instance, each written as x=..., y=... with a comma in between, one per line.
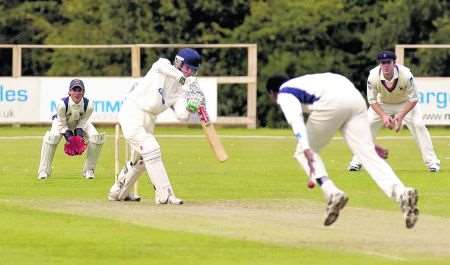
x=211, y=135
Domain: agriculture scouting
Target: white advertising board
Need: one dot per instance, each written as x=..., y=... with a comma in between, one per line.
x=434, y=99
x=34, y=99
x=19, y=100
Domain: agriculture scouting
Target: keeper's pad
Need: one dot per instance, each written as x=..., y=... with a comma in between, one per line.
x=49, y=144
x=93, y=152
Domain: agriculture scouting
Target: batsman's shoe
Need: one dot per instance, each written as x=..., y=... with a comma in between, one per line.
x=132, y=198
x=114, y=192
x=408, y=204
x=42, y=175
x=89, y=174
x=434, y=167
x=354, y=166
x=336, y=202
x=166, y=196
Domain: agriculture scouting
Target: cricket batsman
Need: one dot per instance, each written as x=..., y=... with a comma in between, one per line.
x=72, y=122
x=392, y=95
x=333, y=104
x=164, y=86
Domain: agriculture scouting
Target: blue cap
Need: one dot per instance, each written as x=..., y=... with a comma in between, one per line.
x=386, y=55
x=76, y=83
x=189, y=57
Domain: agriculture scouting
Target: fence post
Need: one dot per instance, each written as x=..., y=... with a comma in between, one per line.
x=136, y=61
x=252, y=60
x=17, y=61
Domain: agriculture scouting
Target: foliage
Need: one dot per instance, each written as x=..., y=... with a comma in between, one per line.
x=293, y=37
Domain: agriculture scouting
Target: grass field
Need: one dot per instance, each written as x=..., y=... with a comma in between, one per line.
x=253, y=209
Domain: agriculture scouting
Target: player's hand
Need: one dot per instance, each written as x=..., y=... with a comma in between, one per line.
x=398, y=121
x=182, y=80
x=79, y=132
x=388, y=121
x=381, y=152
x=194, y=97
x=67, y=134
x=193, y=105
x=309, y=155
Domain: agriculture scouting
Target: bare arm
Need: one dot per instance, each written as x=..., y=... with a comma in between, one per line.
x=398, y=118
x=387, y=120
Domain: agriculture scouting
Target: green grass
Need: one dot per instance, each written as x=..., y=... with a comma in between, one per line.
x=259, y=169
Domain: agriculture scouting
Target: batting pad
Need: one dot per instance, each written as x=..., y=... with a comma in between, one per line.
x=127, y=177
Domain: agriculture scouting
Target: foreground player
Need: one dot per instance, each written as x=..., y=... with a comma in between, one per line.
x=160, y=89
x=392, y=95
x=72, y=118
x=335, y=104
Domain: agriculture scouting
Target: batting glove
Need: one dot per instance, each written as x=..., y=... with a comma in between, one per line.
x=193, y=105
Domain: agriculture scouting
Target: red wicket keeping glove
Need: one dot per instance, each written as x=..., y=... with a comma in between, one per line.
x=75, y=146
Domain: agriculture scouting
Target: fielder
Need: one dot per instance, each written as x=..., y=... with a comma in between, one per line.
x=392, y=95
x=335, y=104
x=72, y=118
x=164, y=86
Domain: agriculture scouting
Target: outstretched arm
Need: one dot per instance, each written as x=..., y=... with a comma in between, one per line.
x=293, y=113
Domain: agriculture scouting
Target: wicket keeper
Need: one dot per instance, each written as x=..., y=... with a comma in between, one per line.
x=72, y=119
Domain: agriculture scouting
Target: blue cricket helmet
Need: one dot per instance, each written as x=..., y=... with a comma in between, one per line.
x=189, y=57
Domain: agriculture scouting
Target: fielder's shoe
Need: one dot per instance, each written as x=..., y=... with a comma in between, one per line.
x=408, y=204
x=336, y=202
x=434, y=167
x=354, y=166
x=89, y=174
x=42, y=175
x=166, y=196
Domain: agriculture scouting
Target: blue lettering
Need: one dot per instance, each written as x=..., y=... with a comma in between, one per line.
x=441, y=99
x=99, y=106
x=113, y=107
x=53, y=106
x=429, y=94
x=420, y=96
x=22, y=95
x=10, y=95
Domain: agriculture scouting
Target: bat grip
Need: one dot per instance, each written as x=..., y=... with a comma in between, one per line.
x=203, y=114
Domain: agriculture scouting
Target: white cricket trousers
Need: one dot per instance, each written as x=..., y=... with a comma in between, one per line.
x=137, y=127
x=348, y=113
x=415, y=124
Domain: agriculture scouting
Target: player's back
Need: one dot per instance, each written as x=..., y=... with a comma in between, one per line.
x=325, y=88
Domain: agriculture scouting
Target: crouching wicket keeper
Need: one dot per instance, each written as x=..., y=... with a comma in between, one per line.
x=72, y=122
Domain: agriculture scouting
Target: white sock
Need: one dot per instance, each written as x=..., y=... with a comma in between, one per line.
x=328, y=187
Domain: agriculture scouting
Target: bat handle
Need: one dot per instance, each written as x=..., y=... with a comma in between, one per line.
x=203, y=114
